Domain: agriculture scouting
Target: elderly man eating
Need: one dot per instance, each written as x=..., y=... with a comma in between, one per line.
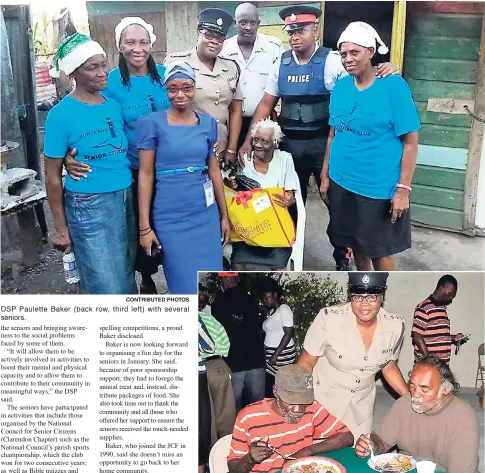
x=289, y=423
x=430, y=423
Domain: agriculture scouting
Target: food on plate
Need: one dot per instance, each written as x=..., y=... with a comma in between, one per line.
x=313, y=467
x=400, y=462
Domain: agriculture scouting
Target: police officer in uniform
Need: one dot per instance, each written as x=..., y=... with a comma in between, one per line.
x=303, y=79
x=218, y=93
x=347, y=345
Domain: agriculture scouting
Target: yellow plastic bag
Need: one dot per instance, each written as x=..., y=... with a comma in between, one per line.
x=257, y=220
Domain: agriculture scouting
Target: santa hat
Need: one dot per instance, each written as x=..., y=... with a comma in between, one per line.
x=362, y=34
x=133, y=20
x=74, y=51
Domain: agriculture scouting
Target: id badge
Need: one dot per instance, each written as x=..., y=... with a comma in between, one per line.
x=209, y=193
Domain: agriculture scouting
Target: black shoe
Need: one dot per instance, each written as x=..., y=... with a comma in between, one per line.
x=147, y=286
x=343, y=267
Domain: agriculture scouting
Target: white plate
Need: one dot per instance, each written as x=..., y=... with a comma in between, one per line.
x=290, y=466
x=389, y=456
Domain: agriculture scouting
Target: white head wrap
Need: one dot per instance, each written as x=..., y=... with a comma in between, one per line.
x=133, y=20
x=362, y=34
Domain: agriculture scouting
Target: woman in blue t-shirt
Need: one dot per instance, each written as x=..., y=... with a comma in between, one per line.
x=370, y=156
x=92, y=216
x=137, y=85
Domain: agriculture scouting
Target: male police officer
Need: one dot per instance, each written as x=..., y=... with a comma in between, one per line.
x=256, y=54
x=304, y=79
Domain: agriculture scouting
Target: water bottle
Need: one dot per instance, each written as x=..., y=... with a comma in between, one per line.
x=70, y=270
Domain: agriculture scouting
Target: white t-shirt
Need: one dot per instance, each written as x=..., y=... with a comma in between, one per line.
x=281, y=172
x=273, y=326
x=334, y=70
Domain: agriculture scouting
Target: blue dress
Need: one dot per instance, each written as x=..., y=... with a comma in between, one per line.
x=188, y=230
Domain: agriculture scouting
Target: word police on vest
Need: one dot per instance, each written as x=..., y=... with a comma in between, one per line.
x=302, y=78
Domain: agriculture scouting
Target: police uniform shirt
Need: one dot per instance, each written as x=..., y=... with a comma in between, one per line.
x=344, y=375
x=334, y=70
x=257, y=69
x=215, y=89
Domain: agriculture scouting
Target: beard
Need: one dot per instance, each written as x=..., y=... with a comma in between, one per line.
x=419, y=409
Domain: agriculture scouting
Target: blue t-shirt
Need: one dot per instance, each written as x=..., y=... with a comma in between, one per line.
x=96, y=131
x=144, y=96
x=365, y=155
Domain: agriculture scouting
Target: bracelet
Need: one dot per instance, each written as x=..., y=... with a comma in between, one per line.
x=145, y=229
x=404, y=186
x=230, y=151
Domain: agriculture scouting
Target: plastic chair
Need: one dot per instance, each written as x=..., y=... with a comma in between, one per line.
x=295, y=263
x=218, y=455
x=481, y=365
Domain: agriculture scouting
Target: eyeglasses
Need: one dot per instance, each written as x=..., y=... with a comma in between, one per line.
x=213, y=36
x=262, y=141
x=361, y=297
x=186, y=89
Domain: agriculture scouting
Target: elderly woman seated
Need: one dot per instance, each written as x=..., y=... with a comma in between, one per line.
x=270, y=167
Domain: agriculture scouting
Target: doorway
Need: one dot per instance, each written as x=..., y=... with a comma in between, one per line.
x=337, y=15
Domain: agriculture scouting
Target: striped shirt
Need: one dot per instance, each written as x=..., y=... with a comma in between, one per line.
x=432, y=322
x=206, y=346
x=218, y=335
x=259, y=420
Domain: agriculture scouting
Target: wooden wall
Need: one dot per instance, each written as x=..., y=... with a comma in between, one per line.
x=104, y=16
x=440, y=61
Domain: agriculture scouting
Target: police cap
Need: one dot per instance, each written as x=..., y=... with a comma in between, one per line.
x=367, y=283
x=297, y=16
x=215, y=19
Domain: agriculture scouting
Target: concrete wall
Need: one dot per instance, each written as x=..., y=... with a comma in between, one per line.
x=480, y=216
x=405, y=290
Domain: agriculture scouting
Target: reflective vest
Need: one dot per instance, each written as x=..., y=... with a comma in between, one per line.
x=304, y=98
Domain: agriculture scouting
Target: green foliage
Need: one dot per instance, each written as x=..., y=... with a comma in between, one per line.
x=41, y=35
x=306, y=295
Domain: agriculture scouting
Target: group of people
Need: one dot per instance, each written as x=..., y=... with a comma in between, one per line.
x=143, y=145
x=325, y=401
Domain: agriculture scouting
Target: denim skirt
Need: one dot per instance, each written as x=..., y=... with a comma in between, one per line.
x=104, y=240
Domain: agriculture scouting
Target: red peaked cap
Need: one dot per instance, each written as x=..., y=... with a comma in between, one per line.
x=296, y=16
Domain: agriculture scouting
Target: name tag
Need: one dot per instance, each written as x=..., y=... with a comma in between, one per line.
x=388, y=350
x=209, y=193
x=261, y=203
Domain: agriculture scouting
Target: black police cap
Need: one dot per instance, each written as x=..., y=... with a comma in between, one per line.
x=215, y=19
x=367, y=282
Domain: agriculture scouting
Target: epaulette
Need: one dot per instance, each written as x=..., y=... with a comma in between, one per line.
x=181, y=54
x=335, y=309
x=236, y=64
x=274, y=40
x=391, y=316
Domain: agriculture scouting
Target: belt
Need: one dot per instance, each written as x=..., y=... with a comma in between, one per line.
x=182, y=170
x=214, y=357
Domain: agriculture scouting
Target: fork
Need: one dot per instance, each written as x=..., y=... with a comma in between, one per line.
x=285, y=457
x=372, y=457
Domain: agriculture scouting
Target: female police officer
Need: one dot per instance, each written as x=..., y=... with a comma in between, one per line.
x=218, y=93
x=347, y=345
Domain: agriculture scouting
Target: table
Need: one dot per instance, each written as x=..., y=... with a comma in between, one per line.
x=351, y=461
